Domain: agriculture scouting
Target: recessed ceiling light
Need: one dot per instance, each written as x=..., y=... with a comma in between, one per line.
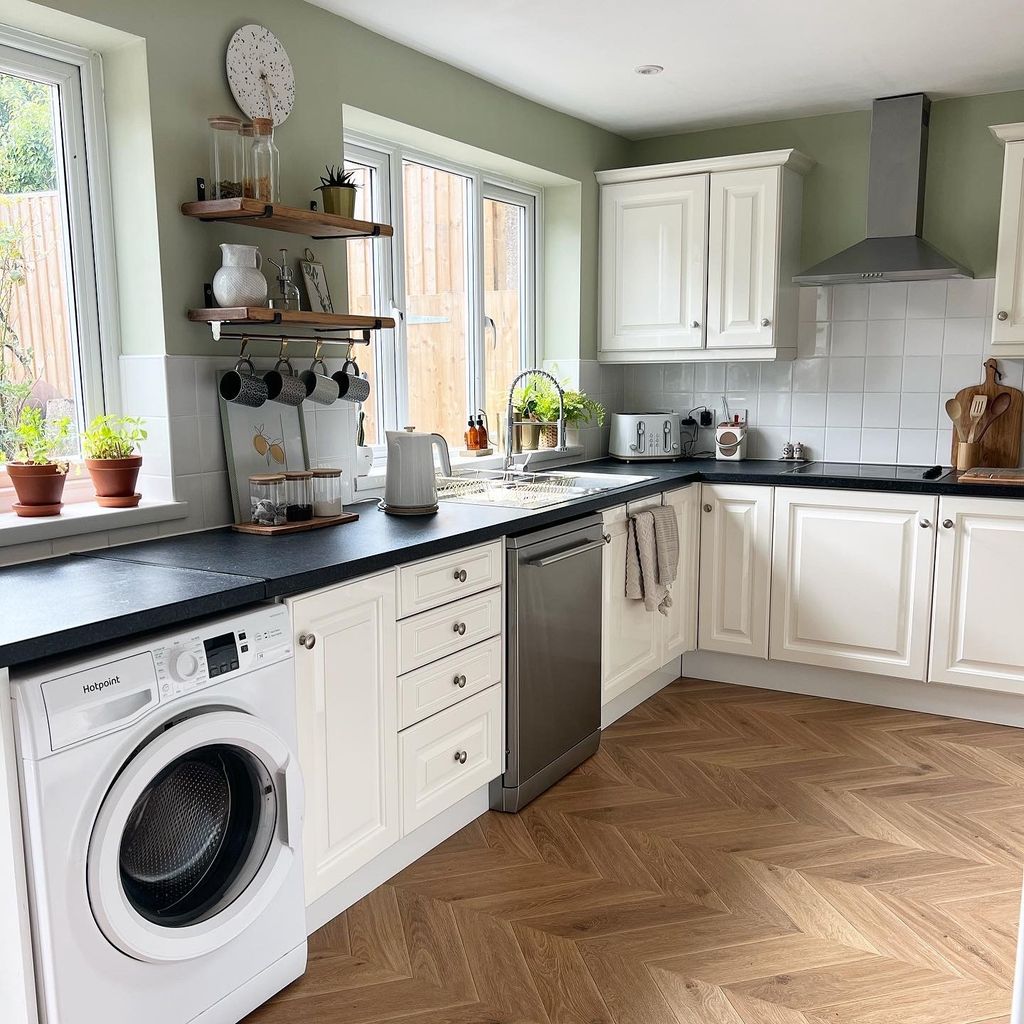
x=649, y=69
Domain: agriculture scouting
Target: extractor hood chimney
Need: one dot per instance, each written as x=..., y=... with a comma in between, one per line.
x=893, y=249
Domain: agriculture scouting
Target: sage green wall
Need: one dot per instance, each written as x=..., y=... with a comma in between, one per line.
x=336, y=62
x=961, y=194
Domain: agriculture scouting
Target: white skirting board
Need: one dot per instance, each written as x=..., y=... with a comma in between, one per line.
x=624, y=702
x=395, y=858
x=858, y=687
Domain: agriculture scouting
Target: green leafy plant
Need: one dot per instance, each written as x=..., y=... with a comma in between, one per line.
x=113, y=437
x=530, y=400
x=338, y=177
x=38, y=440
x=580, y=408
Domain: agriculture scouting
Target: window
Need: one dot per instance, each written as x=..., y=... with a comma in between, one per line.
x=52, y=209
x=460, y=274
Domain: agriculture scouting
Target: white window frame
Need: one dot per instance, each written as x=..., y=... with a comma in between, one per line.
x=83, y=164
x=386, y=158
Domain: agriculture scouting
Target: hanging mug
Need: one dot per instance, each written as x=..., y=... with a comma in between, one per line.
x=242, y=386
x=351, y=387
x=319, y=387
x=283, y=386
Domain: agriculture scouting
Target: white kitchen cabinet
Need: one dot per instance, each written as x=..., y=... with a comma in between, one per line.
x=852, y=580
x=680, y=627
x=1008, y=312
x=654, y=246
x=735, y=568
x=977, y=636
x=697, y=259
x=347, y=710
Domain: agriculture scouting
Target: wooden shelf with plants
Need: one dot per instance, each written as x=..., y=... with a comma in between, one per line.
x=256, y=213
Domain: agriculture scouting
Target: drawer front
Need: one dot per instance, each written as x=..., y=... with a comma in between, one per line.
x=440, y=580
x=438, y=686
x=447, y=756
x=432, y=635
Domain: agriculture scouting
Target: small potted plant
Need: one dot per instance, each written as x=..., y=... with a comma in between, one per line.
x=109, y=446
x=35, y=469
x=527, y=402
x=579, y=409
x=339, y=191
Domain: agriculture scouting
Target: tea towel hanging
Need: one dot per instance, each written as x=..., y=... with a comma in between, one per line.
x=652, y=557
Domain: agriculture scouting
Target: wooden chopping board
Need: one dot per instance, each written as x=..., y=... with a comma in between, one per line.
x=1001, y=444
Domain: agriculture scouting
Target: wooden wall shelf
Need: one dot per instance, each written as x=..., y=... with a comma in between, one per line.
x=262, y=316
x=277, y=217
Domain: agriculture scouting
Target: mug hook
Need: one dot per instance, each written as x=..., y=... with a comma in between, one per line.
x=245, y=345
x=318, y=349
x=283, y=354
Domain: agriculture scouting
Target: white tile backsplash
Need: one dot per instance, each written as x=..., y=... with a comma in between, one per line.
x=874, y=366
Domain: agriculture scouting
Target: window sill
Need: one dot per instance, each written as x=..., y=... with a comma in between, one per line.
x=85, y=517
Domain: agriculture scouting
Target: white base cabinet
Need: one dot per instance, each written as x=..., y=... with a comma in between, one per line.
x=735, y=568
x=852, y=580
x=679, y=630
x=977, y=629
x=347, y=710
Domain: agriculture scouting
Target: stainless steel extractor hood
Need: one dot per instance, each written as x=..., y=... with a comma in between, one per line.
x=893, y=249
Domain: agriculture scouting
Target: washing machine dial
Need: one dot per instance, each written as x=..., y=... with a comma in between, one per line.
x=184, y=665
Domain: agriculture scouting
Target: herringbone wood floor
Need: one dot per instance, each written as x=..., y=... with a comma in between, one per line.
x=730, y=856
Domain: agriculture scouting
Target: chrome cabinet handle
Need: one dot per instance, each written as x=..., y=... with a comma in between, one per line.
x=696, y=323
x=925, y=524
x=460, y=756
x=707, y=508
x=307, y=640
x=1002, y=315
x=948, y=524
x=459, y=575
x=765, y=322
x=459, y=627
x=459, y=681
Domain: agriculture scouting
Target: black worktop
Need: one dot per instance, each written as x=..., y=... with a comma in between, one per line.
x=63, y=604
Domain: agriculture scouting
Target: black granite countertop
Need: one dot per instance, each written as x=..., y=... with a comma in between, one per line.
x=59, y=605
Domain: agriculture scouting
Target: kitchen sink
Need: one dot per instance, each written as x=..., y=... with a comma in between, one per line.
x=528, y=490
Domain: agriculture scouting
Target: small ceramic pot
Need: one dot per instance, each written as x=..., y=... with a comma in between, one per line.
x=114, y=481
x=339, y=200
x=39, y=488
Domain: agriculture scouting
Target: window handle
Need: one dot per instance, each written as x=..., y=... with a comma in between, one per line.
x=489, y=322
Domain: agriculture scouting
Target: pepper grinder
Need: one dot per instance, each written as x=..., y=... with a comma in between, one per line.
x=288, y=291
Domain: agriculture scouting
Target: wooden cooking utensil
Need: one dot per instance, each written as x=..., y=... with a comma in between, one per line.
x=954, y=412
x=999, y=405
x=1000, y=445
x=977, y=410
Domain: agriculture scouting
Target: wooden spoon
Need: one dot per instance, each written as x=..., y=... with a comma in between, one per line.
x=954, y=411
x=996, y=408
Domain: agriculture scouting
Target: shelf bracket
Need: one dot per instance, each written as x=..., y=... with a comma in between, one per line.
x=215, y=329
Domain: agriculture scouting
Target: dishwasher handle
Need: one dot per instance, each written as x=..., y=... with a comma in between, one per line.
x=541, y=563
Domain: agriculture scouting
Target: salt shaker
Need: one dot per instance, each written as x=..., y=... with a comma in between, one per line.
x=787, y=450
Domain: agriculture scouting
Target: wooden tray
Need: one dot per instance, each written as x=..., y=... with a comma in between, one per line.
x=992, y=476
x=1001, y=444
x=310, y=524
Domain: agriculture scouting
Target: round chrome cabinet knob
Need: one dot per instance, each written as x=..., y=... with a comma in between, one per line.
x=765, y=322
x=948, y=524
x=460, y=756
x=459, y=575
x=307, y=640
x=707, y=508
x=459, y=681
x=1002, y=315
x=696, y=323
x=459, y=627
x=925, y=524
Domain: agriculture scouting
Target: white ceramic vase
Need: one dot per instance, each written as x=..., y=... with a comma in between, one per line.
x=239, y=281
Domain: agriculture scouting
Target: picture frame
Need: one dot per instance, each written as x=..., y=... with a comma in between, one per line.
x=318, y=292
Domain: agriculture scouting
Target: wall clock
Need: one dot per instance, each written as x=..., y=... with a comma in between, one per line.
x=260, y=73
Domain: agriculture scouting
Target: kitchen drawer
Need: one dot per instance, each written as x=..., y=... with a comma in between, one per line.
x=438, y=686
x=447, y=756
x=432, y=635
x=437, y=581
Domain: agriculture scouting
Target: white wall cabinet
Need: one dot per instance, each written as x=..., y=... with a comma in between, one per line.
x=1008, y=314
x=735, y=568
x=347, y=708
x=697, y=259
x=977, y=634
x=852, y=580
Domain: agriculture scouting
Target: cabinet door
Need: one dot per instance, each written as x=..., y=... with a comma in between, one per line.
x=347, y=698
x=735, y=567
x=631, y=636
x=852, y=579
x=977, y=639
x=680, y=628
x=743, y=245
x=1009, y=283
x=653, y=250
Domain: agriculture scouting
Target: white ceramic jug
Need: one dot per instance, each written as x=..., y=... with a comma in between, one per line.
x=239, y=281
x=409, y=485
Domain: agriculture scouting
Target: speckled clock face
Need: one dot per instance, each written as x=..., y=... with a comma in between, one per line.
x=260, y=73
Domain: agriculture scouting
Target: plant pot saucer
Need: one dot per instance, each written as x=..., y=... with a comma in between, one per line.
x=34, y=511
x=119, y=501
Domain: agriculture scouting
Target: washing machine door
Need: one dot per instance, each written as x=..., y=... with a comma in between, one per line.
x=195, y=837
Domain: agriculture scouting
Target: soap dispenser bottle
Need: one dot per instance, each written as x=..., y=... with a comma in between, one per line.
x=288, y=291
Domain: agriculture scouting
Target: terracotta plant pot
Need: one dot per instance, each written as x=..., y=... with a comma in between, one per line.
x=114, y=481
x=39, y=488
x=339, y=200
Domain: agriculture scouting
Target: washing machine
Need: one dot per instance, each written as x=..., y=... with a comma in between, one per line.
x=162, y=805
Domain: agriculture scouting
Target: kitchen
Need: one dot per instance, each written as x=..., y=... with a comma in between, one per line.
x=679, y=680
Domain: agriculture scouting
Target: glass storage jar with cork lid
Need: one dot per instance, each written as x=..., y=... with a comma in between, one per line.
x=327, y=492
x=265, y=164
x=225, y=157
x=298, y=496
x=267, y=499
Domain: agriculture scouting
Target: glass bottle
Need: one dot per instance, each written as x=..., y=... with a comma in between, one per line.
x=225, y=157
x=267, y=499
x=266, y=161
x=481, y=433
x=245, y=138
x=471, y=436
x=327, y=492
x=299, y=496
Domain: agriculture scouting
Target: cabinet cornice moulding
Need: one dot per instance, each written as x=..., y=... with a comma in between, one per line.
x=791, y=158
x=1008, y=132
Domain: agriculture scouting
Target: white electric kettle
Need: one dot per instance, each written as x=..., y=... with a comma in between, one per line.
x=409, y=488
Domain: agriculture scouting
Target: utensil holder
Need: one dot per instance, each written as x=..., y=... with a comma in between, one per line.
x=967, y=455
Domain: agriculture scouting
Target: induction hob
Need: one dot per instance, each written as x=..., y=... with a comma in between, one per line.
x=867, y=470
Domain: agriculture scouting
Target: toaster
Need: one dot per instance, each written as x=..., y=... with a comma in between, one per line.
x=645, y=435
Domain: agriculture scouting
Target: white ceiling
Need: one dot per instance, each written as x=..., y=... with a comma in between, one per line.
x=726, y=61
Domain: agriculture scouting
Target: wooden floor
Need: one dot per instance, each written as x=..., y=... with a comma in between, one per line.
x=730, y=856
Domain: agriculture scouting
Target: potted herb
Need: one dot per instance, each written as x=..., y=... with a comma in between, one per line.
x=339, y=191
x=579, y=410
x=527, y=402
x=109, y=446
x=35, y=470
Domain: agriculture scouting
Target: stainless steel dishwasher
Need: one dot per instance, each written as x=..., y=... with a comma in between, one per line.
x=553, y=658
